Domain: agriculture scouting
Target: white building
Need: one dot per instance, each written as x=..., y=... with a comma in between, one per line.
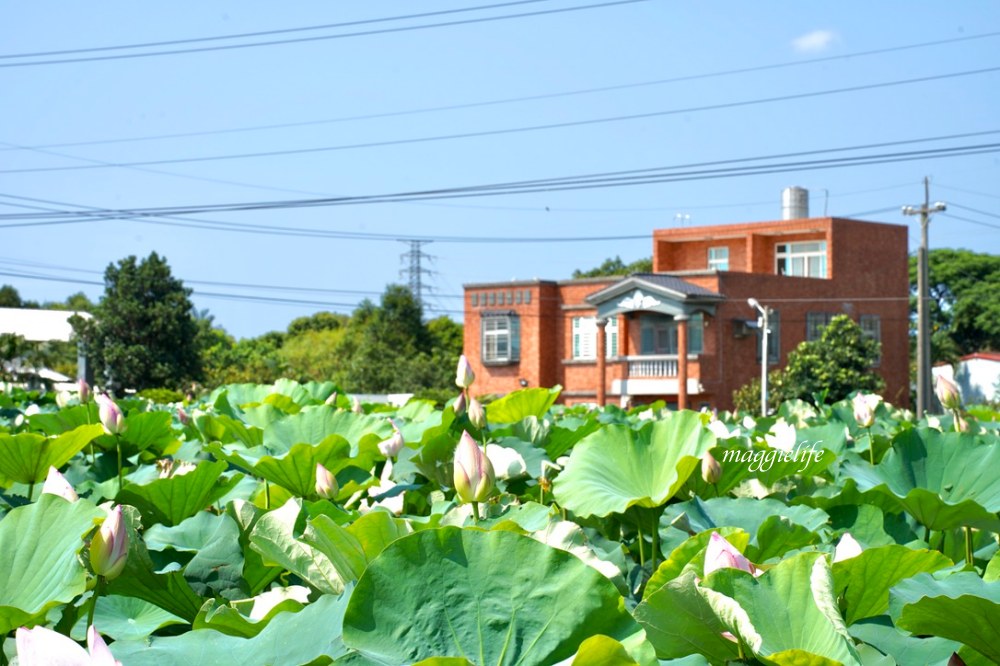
x=976, y=375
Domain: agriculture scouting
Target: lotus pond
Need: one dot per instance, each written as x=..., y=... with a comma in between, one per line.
x=283, y=524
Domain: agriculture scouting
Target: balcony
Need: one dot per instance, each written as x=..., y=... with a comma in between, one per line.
x=655, y=374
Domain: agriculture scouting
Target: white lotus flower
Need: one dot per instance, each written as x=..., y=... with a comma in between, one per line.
x=44, y=647
x=781, y=437
x=847, y=548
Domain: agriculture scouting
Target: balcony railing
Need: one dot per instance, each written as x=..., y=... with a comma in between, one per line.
x=660, y=365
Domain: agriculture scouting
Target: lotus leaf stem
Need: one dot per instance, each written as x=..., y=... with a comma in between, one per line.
x=475, y=511
x=656, y=536
x=871, y=447
x=93, y=601
x=969, y=557
x=642, y=556
x=31, y=490
x=118, y=445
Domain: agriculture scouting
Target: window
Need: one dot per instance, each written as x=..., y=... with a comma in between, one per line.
x=585, y=338
x=815, y=323
x=871, y=327
x=801, y=259
x=659, y=334
x=501, y=337
x=718, y=258
x=527, y=296
x=475, y=300
x=773, y=338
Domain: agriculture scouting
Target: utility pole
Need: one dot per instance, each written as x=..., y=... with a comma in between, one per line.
x=415, y=271
x=764, y=325
x=923, y=315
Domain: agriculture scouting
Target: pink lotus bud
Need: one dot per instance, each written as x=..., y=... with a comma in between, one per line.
x=109, y=547
x=56, y=484
x=947, y=392
x=720, y=554
x=83, y=389
x=111, y=415
x=464, y=376
x=847, y=548
x=332, y=400
x=865, y=405
x=477, y=414
x=390, y=447
x=326, y=483
x=711, y=470
x=43, y=647
x=356, y=406
x=459, y=404
x=474, y=476
x=182, y=416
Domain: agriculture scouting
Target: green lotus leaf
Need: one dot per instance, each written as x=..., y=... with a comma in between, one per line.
x=962, y=607
x=228, y=620
x=901, y=646
x=217, y=565
x=758, y=517
x=786, y=616
x=521, y=404
x=70, y=418
x=170, y=591
x=169, y=501
x=944, y=480
x=146, y=430
x=324, y=555
x=864, y=581
x=256, y=574
x=295, y=469
x=603, y=651
x=126, y=618
x=39, y=567
x=618, y=467
x=316, y=424
x=680, y=622
x=375, y=530
x=311, y=635
x=26, y=457
x=225, y=429
x=470, y=593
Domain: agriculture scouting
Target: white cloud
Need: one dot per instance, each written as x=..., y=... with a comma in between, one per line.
x=815, y=41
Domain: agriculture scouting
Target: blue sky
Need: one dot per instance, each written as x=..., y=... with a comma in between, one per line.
x=634, y=85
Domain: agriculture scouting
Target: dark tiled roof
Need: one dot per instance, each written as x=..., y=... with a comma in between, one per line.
x=673, y=284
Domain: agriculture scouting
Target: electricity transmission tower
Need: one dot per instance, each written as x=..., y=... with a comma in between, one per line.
x=414, y=270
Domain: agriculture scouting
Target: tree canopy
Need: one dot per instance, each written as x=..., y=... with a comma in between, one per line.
x=617, y=267
x=143, y=334
x=829, y=369
x=964, y=307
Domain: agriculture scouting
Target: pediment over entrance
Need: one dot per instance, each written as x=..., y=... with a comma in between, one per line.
x=652, y=292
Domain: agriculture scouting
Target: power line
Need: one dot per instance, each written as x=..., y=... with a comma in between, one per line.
x=976, y=210
x=673, y=174
x=511, y=100
x=316, y=38
x=513, y=130
x=971, y=221
x=262, y=33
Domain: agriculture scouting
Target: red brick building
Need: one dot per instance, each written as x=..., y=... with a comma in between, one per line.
x=685, y=332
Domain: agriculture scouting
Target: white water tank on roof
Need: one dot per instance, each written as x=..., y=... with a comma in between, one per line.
x=794, y=203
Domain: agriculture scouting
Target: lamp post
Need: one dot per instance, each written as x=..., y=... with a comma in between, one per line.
x=763, y=324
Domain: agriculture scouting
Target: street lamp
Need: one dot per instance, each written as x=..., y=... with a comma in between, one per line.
x=763, y=324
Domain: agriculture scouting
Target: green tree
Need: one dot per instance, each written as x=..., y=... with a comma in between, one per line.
x=616, y=266
x=143, y=334
x=830, y=369
x=964, y=308
x=10, y=298
x=321, y=321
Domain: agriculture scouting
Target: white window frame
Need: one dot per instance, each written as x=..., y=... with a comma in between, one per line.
x=500, y=332
x=584, y=345
x=801, y=259
x=718, y=258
